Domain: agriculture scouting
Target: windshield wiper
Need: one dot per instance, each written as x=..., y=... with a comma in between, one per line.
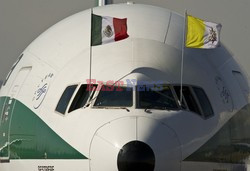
x=147, y=110
x=125, y=109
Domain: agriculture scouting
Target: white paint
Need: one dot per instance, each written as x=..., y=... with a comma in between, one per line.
x=151, y=53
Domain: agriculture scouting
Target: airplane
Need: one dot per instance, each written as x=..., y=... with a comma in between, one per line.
x=67, y=105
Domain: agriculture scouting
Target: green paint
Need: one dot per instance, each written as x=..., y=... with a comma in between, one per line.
x=5, y=116
x=96, y=30
x=30, y=137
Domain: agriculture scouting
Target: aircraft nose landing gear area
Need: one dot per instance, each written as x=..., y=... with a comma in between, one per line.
x=133, y=144
x=134, y=156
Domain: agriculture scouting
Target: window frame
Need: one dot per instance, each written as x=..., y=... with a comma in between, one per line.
x=197, y=99
x=135, y=98
x=177, y=98
x=172, y=91
x=95, y=96
x=75, y=95
x=201, y=114
x=78, y=85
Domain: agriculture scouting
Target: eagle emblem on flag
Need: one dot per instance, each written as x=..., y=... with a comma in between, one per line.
x=108, y=31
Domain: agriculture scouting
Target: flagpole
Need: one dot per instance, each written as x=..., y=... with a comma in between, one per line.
x=182, y=54
x=90, y=56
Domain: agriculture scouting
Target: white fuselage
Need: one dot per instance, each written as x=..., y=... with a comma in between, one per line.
x=35, y=136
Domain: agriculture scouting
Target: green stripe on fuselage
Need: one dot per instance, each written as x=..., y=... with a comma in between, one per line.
x=29, y=136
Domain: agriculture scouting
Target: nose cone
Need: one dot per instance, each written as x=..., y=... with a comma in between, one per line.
x=133, y=144
x=136, y=155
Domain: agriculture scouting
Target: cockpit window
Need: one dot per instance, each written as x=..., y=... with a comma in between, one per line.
x=188, y=98
x=204, y=102
x=195, y=100
x=65, y=99
x=114, y=96
x=82, y=96
x=155, y=97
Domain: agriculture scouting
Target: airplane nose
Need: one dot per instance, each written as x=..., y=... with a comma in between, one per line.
x=134, y=144
x=136, y=155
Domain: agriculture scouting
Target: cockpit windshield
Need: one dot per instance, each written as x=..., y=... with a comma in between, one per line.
x=149, y=96
x=114, y=96
x=155, y=97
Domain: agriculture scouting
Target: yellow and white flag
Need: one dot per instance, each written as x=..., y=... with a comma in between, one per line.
x=202, y=34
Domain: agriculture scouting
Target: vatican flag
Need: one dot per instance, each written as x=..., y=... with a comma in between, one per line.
x=202, y=34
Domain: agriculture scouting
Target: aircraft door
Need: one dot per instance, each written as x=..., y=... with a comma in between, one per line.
x=7, y=105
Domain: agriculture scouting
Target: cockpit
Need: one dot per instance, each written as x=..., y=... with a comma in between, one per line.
x=144, y=96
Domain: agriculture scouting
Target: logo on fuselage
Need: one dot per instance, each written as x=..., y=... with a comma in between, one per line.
x=224, y=93
x=41, y=91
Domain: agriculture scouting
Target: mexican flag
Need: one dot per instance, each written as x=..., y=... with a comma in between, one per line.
x=106, y=29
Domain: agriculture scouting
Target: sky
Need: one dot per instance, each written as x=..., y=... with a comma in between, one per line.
x=21, y=21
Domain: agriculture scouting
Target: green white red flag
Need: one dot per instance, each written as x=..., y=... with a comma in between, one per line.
x=106, y=29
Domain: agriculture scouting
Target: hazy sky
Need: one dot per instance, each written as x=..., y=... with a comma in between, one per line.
x=21, y=21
